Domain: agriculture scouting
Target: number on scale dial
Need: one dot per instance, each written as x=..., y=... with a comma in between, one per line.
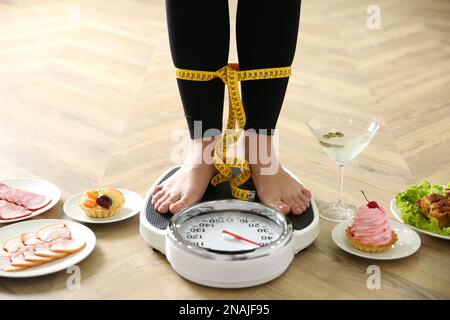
x=230, y=231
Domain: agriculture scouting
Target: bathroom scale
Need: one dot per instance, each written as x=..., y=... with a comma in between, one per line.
x=223, y=242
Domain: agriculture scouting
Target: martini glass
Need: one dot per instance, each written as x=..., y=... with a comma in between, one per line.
x=343, y=138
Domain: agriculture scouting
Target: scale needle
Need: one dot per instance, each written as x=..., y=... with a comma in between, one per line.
x=242, y=238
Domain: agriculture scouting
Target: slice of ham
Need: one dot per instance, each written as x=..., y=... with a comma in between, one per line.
x=10, y=211
x=43, y=250
x=4, y=254
x=12, y=268
x=54, y=232
x=30, y=239
x=67, y=245
x=29, y=200
x=33, y=249
x=29, y=255
x=18, y=260
x=13, y=245
x=4, y=262
x=6, y=265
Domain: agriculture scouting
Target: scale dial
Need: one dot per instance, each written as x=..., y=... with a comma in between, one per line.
x=230, y=243
x=230, y=231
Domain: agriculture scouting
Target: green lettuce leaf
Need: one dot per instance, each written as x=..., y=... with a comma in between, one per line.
x=406, y=202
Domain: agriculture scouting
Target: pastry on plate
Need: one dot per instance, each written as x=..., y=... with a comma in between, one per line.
x=102, y=203
x=370, y=231
x=436, y=207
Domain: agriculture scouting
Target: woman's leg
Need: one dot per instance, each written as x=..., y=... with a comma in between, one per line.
x=266, y=33
x=199, y=32
x=199, y=35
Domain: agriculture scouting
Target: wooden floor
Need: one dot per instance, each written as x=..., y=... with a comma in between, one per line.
x=88, y=98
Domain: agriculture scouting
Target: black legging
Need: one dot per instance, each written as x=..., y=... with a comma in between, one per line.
x=199, y=34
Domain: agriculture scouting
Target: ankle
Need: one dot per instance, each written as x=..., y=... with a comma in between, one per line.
x=262, y=153
x=269, y=169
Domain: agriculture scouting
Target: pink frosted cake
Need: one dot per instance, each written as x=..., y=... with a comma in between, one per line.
x=370, y=231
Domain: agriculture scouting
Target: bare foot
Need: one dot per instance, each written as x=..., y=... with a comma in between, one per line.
x=276, y=187
x=281, y=191
x=188, y=185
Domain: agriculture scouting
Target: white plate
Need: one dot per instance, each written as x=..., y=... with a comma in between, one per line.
x=408, y=242
x=397, y=214
x=132, y=206
x=78, y=230
x=39, y=186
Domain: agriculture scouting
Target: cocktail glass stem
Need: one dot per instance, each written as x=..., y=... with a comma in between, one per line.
x=341, y=184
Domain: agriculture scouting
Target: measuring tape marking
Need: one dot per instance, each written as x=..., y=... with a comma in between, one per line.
x=231, y=75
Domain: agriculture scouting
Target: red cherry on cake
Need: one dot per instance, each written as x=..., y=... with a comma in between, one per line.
x=371, y=204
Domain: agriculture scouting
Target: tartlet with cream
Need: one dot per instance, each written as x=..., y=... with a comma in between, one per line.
x=370, y=231
x=102, y=203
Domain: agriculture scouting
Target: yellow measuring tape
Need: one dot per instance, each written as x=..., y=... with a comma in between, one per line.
x=231, y=75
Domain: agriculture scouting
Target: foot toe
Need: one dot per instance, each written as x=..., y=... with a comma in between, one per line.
x=179, y=205
x=290, y=201
x=302, y=198
x=164, y=207
x=283, y=207
x=156, y=189
x=307, y=193
x=278, y=205
x=160, y=202
x=157, y=196
x=295, y=204
x=298, y=209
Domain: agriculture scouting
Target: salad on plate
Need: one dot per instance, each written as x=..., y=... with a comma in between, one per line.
x=426, y=206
